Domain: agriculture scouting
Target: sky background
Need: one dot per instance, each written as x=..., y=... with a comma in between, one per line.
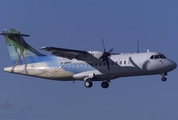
x=81, y=24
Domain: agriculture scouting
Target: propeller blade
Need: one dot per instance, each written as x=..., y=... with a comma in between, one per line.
x=110, y=50
x=101, y=58
x=105, y=56
x=103, y=46
x=107, y=62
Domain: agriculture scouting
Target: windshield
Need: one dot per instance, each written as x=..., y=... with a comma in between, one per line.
x=159, y=56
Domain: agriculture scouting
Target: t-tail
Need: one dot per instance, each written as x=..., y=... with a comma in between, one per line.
x=20, y=52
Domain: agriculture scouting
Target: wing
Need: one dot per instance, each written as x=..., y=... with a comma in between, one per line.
x=68, y=53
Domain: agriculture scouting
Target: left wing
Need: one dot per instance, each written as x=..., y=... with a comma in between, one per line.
x=68, y=53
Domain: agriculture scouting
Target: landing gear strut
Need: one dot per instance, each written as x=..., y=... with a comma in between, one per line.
x=104, y=84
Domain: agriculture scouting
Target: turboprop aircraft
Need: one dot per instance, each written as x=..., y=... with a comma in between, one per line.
x=87, y=66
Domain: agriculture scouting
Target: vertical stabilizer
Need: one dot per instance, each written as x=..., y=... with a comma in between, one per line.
x=20, y=52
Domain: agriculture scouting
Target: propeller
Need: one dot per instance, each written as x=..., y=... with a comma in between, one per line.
x=105, y=56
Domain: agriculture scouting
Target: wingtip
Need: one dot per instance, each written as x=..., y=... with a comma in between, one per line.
x=44, y=48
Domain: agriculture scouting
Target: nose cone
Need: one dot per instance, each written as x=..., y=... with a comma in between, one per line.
x=172, y=65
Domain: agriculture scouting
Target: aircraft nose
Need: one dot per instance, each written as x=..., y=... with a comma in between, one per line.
x=172, y=65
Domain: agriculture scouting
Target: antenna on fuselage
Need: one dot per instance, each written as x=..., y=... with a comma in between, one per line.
x=138, y=46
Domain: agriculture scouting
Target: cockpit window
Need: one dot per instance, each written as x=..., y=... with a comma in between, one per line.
x=152, y=57
x=158, y=56
x=162, y=56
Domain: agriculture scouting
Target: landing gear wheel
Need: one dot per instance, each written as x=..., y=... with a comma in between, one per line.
x=88, y=84
x=104, y=84
x=163, y=78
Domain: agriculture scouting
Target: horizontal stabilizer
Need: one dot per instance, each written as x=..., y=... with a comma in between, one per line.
x=14, y=34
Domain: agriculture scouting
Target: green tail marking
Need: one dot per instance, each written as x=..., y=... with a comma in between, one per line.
x=20, y=52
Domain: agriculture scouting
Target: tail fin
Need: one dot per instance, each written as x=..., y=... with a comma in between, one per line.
x=20, y=52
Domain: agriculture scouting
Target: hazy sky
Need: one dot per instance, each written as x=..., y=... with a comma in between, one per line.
x=81, y=24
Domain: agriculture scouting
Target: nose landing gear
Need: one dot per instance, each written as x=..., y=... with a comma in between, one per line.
x=163, y=77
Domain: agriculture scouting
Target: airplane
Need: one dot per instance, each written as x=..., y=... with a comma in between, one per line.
x=78, y=65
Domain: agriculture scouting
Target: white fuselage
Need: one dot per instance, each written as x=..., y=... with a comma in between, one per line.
x=121, y=65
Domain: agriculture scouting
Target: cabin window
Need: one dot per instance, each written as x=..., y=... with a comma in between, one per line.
x=124, y=62
x=120, y=62
x=95, y=64
x=100, y=64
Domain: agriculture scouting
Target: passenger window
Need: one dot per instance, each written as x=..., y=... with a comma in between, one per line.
x=124, y=62
x=120, y=62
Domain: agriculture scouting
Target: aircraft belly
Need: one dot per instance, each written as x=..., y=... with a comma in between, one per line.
x=125, y=71
x=136, y=72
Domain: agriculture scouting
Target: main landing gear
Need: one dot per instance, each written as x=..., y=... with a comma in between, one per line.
x=104, y=84
x=163, y=77
x=89, y=84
